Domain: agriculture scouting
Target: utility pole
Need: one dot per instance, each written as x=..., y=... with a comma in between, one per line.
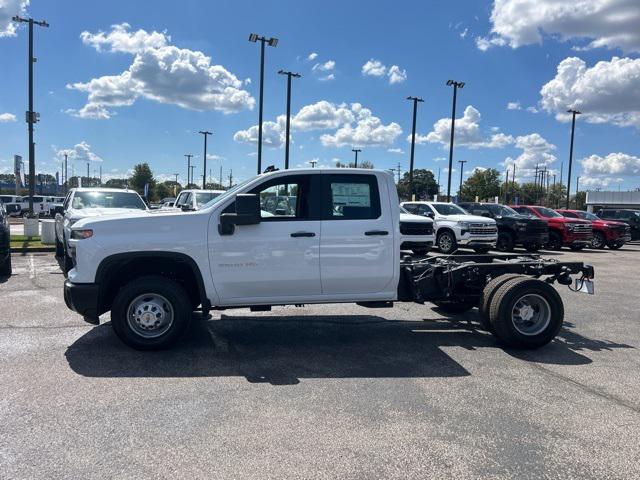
x=220, y=177
x=356, y=150
x=438, y=180
x=191, y=174
x=573, y=129
x=415, y=101
x=513, y=184
x=204, y=168
x=66, y=175
x=461, y=162
x=272, y=42
x=506, y=187
x=286, y=144
x=88, y=175
x=456, y=85
x=577, y=190
x=31, y=116
x=175, y=187
x=230, y=177
x=188, y=155
x=100, y=175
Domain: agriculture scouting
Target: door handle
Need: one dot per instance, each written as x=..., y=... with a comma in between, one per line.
x=303, y=234
x=376, y=232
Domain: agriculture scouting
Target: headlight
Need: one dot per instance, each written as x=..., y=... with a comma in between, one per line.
x=570, y=226
x=521, y=224
x=463, y=224
x=81, y=234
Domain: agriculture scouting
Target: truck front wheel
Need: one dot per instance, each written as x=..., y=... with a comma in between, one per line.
x=555, y=241
x=526, y=313
x=151, y=313
x=598, y=241
x=506, y=242
x=447, y=242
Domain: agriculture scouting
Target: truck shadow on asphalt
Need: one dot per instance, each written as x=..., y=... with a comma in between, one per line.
x=284, y=350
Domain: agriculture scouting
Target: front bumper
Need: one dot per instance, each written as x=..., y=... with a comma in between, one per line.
x=411, y=244
x=478, y=240
x=83, y=299
x=524, y=238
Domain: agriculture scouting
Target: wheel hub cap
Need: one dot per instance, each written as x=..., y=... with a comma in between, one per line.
x=150, y=315
x=531, y=314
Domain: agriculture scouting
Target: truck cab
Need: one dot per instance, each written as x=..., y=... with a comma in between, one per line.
x=563, y=232
x=455, y=227
x=514, y=229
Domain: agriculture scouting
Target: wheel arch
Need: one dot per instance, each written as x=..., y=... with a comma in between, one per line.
x=116, y=270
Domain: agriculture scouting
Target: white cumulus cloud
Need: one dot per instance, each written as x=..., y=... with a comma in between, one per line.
x=324, y=67
x=312, y=56
x=375, y=68
x=159, y=72
x=613, y=164
x=9, y=8
x=608, y=92
x=81, y=151
x=396, y=75
x=536, y=151
x=514, y=106
x=467, y=134
x=7, y=117
x=367, y=130
x=603, y=23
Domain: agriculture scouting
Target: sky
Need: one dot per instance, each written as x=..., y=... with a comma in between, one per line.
x=118, y=83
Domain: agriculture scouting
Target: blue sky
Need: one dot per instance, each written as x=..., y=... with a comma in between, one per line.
x=155, y=111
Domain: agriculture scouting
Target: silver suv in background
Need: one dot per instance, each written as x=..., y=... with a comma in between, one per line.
x=191, y=200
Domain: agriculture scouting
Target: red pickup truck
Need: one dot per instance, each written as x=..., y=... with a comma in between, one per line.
x=574, y=233
x=605, y=232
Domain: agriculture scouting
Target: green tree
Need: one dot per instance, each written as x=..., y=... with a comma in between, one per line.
x=361, y=164
x=424, y=185
x=484, y=184
x=215, y=186
x=117, y=183
x=142, y=175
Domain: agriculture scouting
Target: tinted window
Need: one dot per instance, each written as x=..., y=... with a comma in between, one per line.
x=205, y=197
x=351, y=197
x=547, y=212
x=107, y=200
x=181, y=199
x=284, y=198
x=448, y=209
x=570, y=215
x=411, y=208
x=500, y=210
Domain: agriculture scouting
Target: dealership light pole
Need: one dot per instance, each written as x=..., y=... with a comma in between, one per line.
x=31, y=116
x=461, y=162
x=191, y=174
x=272, y=42
x=189, y=156
x=204, y=168
x=573, y=129
x=456, y=85
x=356, y=151
x=66, y=174
x=286, y=144
x=415, y=101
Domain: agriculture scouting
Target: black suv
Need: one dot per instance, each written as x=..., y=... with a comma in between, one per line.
x=5, y=254
x=628, y=216
x=513, y=227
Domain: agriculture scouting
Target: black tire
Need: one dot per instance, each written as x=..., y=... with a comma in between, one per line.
x=5, y=267
x=446, y=242
x=59, y=248
x=506, y=242
x=481, y=250
x=488, y=292
x=67, y=262
x=532, y=247
x=177, y=302
x=555, y=241
x=420, y=251
x=598, y=241
x=452, y=306
x=615, y=246
x=511, y=293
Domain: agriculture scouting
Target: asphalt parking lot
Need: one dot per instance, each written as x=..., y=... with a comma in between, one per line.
x=329, y=392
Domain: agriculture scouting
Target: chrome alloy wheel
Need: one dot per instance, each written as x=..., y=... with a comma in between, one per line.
x=531, y=314
x=150, y=315
x=444, y=242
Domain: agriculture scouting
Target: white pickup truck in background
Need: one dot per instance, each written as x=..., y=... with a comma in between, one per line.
x=341, y=243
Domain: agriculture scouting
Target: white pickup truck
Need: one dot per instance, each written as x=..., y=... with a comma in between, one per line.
x=341, y=243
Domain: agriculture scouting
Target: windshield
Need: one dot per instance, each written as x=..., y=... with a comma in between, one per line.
x=107, y=200
x=587, y=216
x=500, y=210
x=226, y=194
x=547, y=212
x=448, y=209
x=203, y=198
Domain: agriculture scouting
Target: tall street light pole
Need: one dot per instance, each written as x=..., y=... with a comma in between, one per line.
x=573, y=129
x=456, y=85
x=175, y=186
x=272, y=42
x=188, y=155
x=66, y=174
x=191, y=172
x=356, y=150
x=286, y=144
x=204, y=171
x=415, y=101
x=31, y=116
x=461, y=162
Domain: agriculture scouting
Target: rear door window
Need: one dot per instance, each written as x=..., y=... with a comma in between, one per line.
x=350, y=197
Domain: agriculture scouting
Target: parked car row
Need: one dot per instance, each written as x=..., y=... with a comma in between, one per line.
x=43, y=206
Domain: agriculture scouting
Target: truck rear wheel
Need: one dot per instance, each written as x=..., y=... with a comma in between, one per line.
x=151, y=313
x=488, y=293
x=526, y=313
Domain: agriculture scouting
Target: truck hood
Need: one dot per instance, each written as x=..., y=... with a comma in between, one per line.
x=466, y=218
x=410, y=217
x=564, y=220
x=99, y=212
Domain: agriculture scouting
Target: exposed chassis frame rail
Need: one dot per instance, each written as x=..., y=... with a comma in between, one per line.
x=463, y=277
